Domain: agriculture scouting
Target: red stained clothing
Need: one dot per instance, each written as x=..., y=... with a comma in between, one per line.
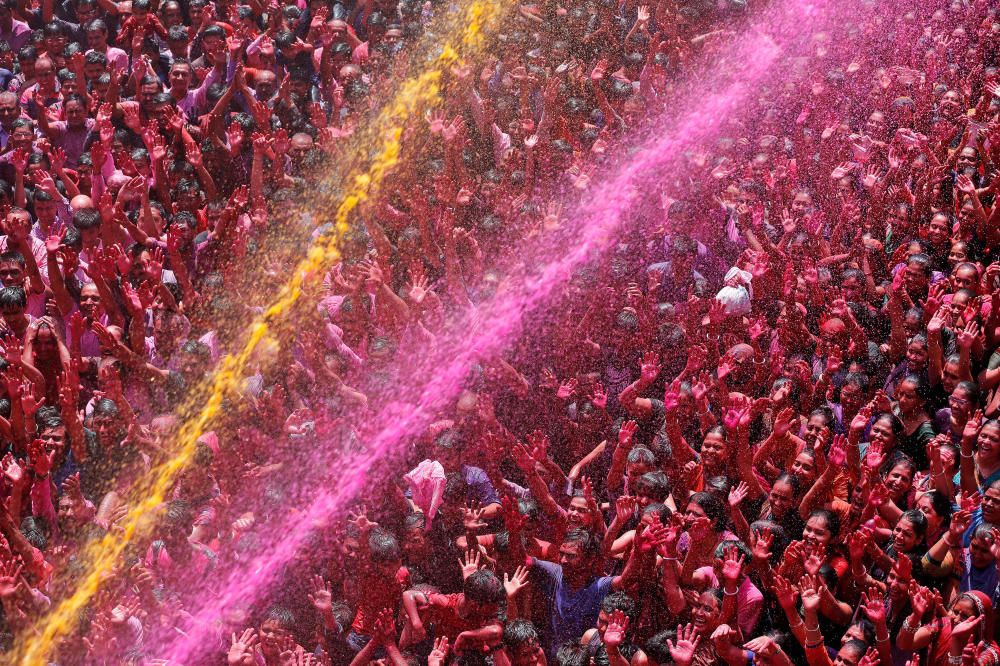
x=378, y=593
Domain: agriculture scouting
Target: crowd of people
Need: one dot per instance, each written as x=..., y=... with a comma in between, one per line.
x=763, y=429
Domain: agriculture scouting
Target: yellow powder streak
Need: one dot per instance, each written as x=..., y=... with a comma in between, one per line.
x=414, y=94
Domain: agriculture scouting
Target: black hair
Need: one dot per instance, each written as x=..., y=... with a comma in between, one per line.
x=832, y=521
x=619, y=601
x=711, y=505
x=13, y=297
x=87, y=218
x=283, y=616
x=383, y=547
x=95, y=58
x=483, y=587
x=590, y=545
x=518, y=632
x=918, y=520
x=12, y=256
x=654, y=484
x=572, y=653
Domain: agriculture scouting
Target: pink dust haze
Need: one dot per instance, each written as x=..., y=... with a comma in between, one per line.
x=428, y=382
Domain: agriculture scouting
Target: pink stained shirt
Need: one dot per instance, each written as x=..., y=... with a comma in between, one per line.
x=749, y=601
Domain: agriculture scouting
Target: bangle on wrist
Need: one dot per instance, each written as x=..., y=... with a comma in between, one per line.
x=730, y=594
x=907, y=627
x=954, y=659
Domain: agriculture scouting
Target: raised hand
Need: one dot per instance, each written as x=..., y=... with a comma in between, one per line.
x=321, y=596
x=614, y=634
x=810, y=589
x=838, y=451
x=682, y=651
x=241, y=650
x=470, y=564
x=874, y=457
x=650, y=368
x=732, y=565
x=738, y=494
x=439, y=654
x=873, y=606
x=763, y=646
x=567, y=389
x=516, y=582
x=625, y=507
x=40, y=461
x=599, y=397
x=762, y=542
x=784, y=592
x=626, y=433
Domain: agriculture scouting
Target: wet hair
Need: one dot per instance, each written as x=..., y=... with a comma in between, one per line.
x=777, y=531
x=13, y=297
x=791, y=480
x=572, y=653
x=899, y=458
x=921, y=261
x=619, y=601
x=856, y=646
x=972, y=388
x=34, y=529
x=590, y=545
x=641, y=454
x=95, y=58
x=528, y=507
x=178, y=514
x=921, y=386
x=281, y=615
x=518, y=632
x=177, y=33
x=656, y=647
x=856, y=379
x=655, y=484
x=414, y=521
x=87, y=218
x=984, y=531
x=918, y=520
x=105, y=407
x=483, y=587
x=941, y=504
x=723, y=546
x=832, y=521
x=711, y=505
x=894, y=423
x=12, y=257
x=383, y=547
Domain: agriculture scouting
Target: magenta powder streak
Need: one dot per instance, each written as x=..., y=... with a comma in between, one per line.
x=447, y=366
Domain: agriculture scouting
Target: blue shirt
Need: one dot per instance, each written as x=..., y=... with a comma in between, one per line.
x=571, y=612
x=478, y=486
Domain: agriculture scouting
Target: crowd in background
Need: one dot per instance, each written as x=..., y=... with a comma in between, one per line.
x=761, y=430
